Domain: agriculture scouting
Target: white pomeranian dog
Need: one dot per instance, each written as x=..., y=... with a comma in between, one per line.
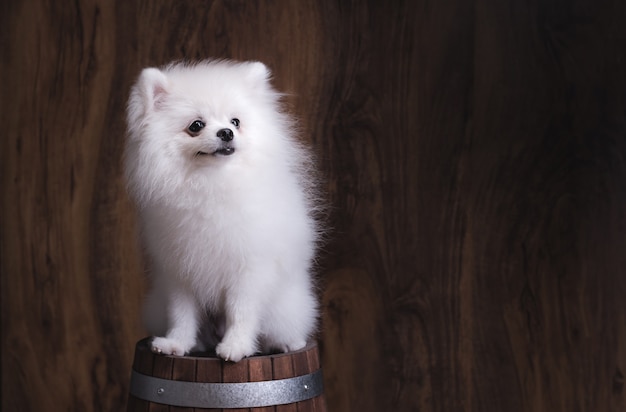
x=226, y=201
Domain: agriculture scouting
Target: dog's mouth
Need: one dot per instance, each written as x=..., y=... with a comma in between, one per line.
x=224, y=151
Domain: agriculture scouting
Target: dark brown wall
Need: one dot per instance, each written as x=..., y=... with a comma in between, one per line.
x=475, y=155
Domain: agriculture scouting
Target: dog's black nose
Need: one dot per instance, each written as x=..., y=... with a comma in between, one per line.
x=226, y=135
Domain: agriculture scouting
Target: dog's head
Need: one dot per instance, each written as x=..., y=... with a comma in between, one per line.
x=201, y=113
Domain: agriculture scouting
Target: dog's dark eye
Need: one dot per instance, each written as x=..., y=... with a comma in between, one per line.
x=196, y=126
x=235, y=122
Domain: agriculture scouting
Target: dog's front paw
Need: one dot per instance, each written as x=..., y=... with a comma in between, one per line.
x=296, y=345
x=235, y=349
x=168, y=346
x=284, y=347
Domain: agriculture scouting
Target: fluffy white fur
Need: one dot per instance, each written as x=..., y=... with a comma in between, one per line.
x=230, y=237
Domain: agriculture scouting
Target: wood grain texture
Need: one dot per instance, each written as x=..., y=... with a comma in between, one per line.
x=475, y=162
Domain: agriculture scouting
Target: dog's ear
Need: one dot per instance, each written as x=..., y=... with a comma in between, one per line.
x=258, y=74
x=153, y=88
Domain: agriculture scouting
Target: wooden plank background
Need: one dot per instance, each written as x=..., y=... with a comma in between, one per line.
x=475, y=155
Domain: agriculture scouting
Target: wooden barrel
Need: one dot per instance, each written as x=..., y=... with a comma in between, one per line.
x=286, y=382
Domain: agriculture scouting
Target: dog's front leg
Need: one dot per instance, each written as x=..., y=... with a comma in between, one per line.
x=242, y=324
x=182, y=312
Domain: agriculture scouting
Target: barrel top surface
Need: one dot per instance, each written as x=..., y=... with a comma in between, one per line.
x=144, y=344
x=207, y=368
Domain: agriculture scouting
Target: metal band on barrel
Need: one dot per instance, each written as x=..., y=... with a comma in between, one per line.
x=226, y=395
